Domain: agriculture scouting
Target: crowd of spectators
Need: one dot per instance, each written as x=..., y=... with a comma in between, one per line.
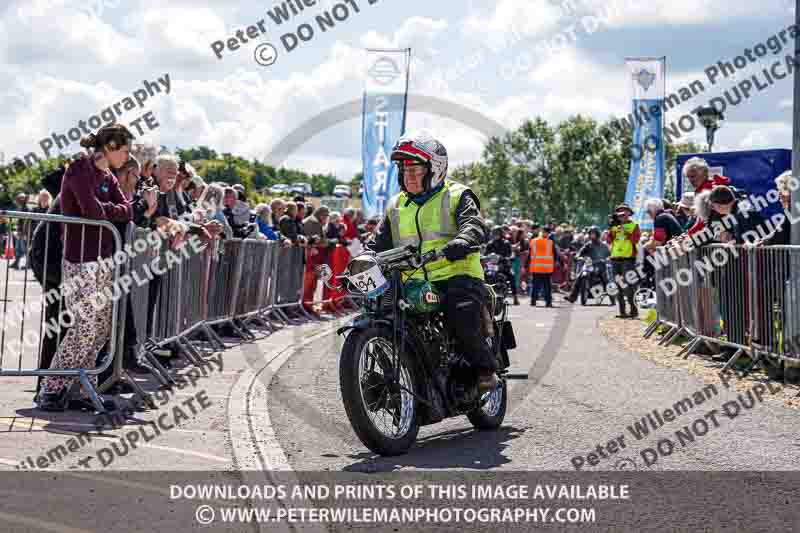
x=158, y=193
x=166, y=195
x=712, y=200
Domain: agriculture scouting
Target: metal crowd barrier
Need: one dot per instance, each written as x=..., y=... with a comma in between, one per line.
x=741, y=297
x=27, y=328
x=235, y=282
x=667, y=310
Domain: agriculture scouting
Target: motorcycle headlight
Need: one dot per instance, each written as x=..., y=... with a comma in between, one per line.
x=366, y=276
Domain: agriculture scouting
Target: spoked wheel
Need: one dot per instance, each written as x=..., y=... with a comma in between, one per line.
x=380, y=405
x=643, y=297
x=492, y=411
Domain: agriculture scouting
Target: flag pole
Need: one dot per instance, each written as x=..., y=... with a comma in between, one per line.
x=795, y=235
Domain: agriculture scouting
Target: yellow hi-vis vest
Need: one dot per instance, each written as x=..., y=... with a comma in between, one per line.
x=543, y=260
x=436, y=220
x=622, y=246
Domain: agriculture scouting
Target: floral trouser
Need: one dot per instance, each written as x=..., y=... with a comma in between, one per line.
x=91, y=326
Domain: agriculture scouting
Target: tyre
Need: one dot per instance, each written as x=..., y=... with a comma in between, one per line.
x=503, y=287
x=490, y=415
x=643, y=298
x=584, y=294
x=384, y=417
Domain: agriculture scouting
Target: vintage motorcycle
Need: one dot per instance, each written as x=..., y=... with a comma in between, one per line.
x=497, y=271
x=590, y=275
x=399, y=367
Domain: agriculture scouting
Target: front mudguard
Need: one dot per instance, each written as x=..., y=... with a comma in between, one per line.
x=429, y=414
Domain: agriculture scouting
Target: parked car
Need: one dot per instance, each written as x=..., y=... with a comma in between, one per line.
x=342, y=191
x=301, y=188
x=279, y=189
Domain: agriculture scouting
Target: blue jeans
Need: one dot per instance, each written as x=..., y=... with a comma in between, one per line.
x=20, y=248
x=541, y=282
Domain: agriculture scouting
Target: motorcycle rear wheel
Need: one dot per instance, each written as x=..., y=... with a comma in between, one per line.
x=365, y=395
x=491, y=414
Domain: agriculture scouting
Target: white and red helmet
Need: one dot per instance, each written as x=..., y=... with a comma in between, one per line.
x=421, y=148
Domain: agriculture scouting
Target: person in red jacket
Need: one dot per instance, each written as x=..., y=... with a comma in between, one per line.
x=351, y=228
x=697, y=172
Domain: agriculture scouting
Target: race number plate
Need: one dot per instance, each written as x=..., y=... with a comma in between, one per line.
x=370, y=282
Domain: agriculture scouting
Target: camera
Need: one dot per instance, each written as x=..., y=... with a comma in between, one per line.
x=613, y=220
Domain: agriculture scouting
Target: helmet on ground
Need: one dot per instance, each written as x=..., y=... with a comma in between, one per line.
x=421, y=148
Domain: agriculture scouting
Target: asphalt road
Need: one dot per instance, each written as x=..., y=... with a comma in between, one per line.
x=588, y=394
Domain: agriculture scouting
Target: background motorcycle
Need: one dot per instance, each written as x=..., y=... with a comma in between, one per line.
x=497, y=273
x=590, y=274
x=399, y=368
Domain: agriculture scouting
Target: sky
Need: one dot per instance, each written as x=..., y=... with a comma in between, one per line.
x=508, y=60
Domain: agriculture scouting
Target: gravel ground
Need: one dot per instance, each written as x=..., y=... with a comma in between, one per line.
x=629, y=335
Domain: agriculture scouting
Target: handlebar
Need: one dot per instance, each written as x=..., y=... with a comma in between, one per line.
x=410, y=254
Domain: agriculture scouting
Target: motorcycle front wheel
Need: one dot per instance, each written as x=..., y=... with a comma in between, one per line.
x=381, y=407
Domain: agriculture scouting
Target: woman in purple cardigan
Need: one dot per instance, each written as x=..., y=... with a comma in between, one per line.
x=88, y=190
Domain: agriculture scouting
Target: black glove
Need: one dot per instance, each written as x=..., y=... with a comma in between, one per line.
x=456, y=250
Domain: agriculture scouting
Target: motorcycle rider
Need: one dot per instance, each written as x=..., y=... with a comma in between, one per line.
x=501, y=246
x=435, y=213
x=597, y=251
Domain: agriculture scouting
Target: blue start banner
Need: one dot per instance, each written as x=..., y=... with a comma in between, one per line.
x=383, y=122
x=646, y=178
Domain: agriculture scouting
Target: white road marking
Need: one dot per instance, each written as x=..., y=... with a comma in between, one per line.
x=253, y=427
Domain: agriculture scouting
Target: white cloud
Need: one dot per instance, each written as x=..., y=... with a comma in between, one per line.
x=504, y=23
x=634, y=13
x=756, y=135
x=55, y=32
x=83, y=64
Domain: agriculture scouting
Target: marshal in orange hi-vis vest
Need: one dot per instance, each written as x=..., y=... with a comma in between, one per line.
x=543, y=260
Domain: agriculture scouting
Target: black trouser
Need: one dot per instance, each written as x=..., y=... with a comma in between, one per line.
x=542, y=282
x=130, y=339
x=512, y=281
x=153, y=292
x=51, y=340
x=464, y=300
x=627, y=290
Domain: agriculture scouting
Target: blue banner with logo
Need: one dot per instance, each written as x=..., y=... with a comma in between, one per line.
x=383, y=122
x=646, y=177
x=752, y=172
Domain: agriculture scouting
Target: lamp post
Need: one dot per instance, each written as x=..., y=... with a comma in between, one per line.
x=710, y=117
